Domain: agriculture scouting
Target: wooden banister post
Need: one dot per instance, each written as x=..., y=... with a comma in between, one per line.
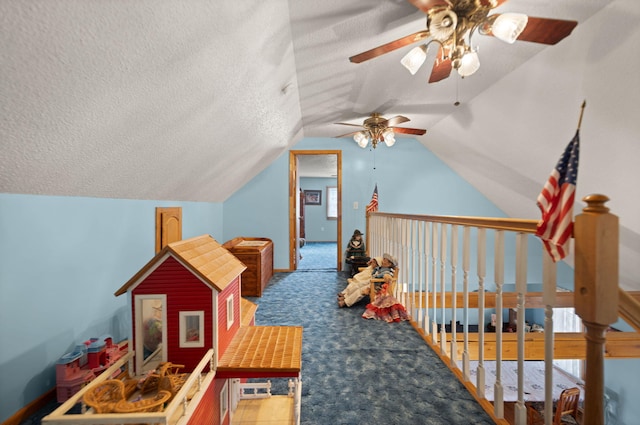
x=596, y=293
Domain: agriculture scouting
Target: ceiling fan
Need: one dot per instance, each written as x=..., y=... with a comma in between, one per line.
x=377, y=129
x=451, y=23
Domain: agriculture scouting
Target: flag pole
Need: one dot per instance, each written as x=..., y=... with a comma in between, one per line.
x=584, y=103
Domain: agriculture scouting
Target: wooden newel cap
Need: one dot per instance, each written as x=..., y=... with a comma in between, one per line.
x=596, y=262
x=595, y=203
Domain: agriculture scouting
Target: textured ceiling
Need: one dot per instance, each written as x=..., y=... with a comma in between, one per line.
x=189, y=100
x=163, y=100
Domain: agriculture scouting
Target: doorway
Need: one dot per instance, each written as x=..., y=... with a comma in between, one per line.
x=296, y=217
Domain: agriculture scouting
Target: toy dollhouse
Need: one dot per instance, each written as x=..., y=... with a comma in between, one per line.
x=187, y=311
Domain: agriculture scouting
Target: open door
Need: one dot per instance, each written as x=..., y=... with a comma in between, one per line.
x=295, y=206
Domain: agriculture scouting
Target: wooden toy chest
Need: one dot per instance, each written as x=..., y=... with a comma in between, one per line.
x=257, y=255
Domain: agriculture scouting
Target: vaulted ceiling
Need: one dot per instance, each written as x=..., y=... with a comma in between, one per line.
x=100, y=99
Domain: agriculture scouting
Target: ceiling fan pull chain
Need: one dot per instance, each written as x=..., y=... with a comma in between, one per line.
x=374, y=160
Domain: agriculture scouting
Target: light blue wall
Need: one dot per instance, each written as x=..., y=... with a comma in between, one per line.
x=261, y=209
x=62, y=260
x=410, y=180
x=318, y=228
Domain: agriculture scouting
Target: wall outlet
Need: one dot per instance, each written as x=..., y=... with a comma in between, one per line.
x=355, y=205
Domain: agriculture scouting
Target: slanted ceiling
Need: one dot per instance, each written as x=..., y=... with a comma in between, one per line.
x=189, y=100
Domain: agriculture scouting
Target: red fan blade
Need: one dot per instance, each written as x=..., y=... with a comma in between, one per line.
x=398, y=119
x=404, y=130
x=426, y=5
x=441, y=67
x=389, y=47
x=546, y=31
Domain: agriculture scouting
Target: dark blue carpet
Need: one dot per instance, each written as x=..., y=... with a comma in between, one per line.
x=318, y=256
x=358, y=371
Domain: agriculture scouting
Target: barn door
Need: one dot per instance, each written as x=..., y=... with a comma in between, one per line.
x=168, y=226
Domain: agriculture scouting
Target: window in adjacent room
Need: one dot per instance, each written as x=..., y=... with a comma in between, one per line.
x=332, y=202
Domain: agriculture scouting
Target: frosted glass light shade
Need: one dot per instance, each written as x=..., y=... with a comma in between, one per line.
x=469, y=64
x=361, y=139
x=508, y=26
x=414, y=59
x=389, y=137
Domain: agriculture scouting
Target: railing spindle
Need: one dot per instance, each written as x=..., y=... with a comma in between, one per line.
x=498, y=394
x=434, y=292
x=454, y=263
x=443, y=269
x=421, y=276
x=482, y=237
x=427, y=248
x=465, y=268
x=521, y=288
x=548, y=298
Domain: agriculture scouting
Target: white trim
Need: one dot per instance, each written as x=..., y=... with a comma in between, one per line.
x=184, y=340
x=230, y=311
x=224, y=401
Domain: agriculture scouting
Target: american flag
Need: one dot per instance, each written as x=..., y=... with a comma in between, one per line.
x=372, y=206
x=556, y=202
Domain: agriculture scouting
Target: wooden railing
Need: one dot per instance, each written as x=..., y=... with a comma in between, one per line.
x=428, y=249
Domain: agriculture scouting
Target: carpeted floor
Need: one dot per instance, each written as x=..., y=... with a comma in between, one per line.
x=356, y=371
x=318, y=256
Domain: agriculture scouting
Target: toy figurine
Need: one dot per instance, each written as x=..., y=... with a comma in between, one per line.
x=356, y=253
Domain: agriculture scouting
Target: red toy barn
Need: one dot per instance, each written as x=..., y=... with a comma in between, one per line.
x=184, y=301
x=187, y=300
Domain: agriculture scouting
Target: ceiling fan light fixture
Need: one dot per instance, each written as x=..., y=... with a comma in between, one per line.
x=469, y=64
x=389, y=137
x=361, y=139
x=508, y=26
x=415, y=58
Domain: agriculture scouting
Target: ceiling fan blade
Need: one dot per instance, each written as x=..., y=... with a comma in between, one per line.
x=546, y=31
x=398, y=119
x=346, y=135
x=389, y=47
x=347, y=123
x=426, y=5
x=441, y=67
x=405, y=130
